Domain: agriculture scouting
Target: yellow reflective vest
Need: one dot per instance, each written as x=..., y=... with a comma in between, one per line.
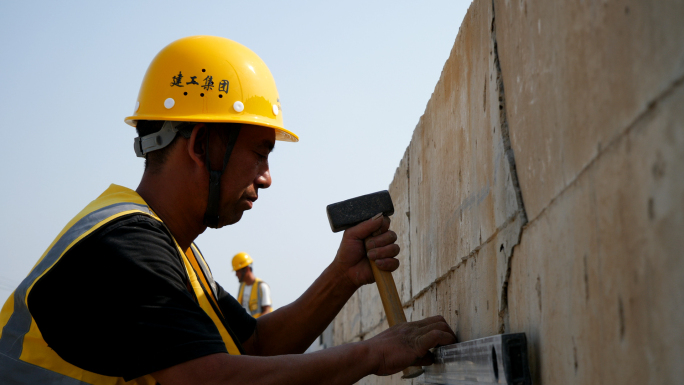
x=25, y=357
x=254, y=298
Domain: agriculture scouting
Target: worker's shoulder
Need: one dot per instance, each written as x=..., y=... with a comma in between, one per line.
x=130, y=237
x=133, y=224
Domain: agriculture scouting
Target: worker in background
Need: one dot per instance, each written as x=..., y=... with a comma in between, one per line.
x=256, y=302
x=124, y=295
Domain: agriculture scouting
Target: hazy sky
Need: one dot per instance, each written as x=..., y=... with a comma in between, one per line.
x=353, y=77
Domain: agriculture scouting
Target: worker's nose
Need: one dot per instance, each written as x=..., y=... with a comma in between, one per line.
x=264, y=179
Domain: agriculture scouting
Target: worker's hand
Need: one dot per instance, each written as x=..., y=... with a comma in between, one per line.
x=352, y=258
x=408, y=344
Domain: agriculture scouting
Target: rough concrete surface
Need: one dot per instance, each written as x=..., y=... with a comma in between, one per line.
x=543, y=191
x=347, y=324
x=577, y=74
x=458, y=145
x=597, y=281
x=400, y=224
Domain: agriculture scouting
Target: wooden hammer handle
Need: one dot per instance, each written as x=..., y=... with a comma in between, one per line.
x=389, y=295
x=393, y=309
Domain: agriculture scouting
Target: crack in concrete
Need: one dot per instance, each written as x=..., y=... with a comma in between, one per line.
x=463, y=260
x=508, y=151
x=520, y=212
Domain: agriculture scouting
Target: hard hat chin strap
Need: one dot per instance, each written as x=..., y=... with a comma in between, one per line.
x=211, y=216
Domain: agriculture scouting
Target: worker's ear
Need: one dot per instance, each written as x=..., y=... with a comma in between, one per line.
x=197, y=144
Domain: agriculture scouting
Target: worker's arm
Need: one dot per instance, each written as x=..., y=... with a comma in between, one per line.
x=266, y=309
x=386, y=353
x=292, y=329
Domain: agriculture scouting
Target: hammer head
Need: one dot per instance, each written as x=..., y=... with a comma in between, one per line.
x=346, y=214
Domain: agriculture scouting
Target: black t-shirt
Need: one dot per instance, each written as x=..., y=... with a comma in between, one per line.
x=118, y=304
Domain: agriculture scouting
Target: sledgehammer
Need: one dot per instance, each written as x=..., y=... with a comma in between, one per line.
x=346, y=214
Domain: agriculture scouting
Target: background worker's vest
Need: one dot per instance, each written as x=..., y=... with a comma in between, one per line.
x=254, y=298
x=25, y=357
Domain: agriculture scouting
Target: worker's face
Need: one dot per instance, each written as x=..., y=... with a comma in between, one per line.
x=240, y=274
x=247, y=171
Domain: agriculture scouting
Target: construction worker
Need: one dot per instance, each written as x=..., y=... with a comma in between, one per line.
x=124, y=294
x=256, y=302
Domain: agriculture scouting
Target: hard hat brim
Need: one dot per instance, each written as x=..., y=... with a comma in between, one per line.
x=281, y=133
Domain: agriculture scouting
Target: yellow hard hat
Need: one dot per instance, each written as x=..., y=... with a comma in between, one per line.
x=241, y=260
x=210, y=79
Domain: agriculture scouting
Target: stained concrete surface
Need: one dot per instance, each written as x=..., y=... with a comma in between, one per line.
x=543, y=191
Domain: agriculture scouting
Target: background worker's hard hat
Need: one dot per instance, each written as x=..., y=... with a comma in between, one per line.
x=210, y=79
x=241, y=260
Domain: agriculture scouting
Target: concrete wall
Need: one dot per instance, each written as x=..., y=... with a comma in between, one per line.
x=543, y=191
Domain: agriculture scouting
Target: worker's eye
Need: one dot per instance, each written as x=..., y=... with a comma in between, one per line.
x=260, y=157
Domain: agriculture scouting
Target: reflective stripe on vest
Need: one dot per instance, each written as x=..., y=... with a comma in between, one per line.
x=254, y=302
x=202, y=270
x=25, y=357
x=205, y=270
